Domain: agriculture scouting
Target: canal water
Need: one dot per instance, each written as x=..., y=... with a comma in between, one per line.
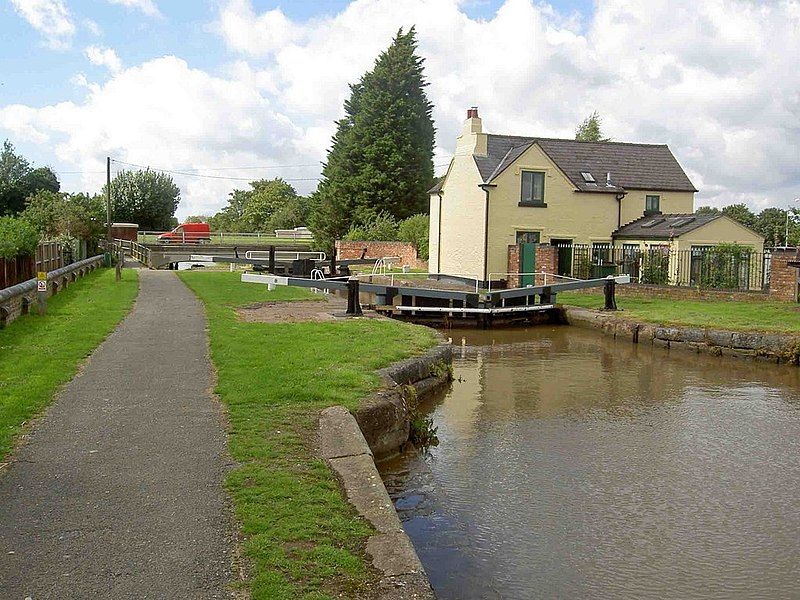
x=571, y=465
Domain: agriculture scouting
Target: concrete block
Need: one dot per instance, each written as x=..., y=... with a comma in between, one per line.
x=339, y=434
x=413, y=586
x=393, y=554
x=365, y=491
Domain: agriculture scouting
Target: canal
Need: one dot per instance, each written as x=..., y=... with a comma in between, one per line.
x=571, y=465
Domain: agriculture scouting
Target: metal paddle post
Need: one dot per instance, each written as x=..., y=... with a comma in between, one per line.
x=609, y=289
x=353, y=305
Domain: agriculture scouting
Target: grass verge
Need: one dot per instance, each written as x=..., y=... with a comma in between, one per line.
x=40, y=353
x=301, y=537
x=720, y=314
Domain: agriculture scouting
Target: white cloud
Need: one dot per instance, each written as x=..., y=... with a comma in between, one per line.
x=167, y=115
x=104, y=57
x=148, y=7
x=92, y=27
x=716, y=80
x=50, y=18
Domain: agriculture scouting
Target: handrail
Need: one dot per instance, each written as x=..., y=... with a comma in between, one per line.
x=534, y=273
x=391, y=277
x=135, y=250
x=264, y=255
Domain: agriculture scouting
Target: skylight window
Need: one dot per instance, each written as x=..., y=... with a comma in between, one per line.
x=588, y=177
x=682, y=222
x=652, y=223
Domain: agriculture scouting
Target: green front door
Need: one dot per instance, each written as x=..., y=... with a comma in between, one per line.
x=527, y=263
x=527, y=241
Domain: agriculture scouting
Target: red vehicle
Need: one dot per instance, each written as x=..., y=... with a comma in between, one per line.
x=188, y=233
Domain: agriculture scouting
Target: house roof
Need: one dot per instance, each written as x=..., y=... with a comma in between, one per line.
x=437, y=187
x=664, y=226
x=632, y=166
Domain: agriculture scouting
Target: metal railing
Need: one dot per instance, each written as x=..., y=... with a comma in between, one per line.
x=723, y=267
x=26, y=290
x=284, y=255
x=543, y=274
x=223, y=237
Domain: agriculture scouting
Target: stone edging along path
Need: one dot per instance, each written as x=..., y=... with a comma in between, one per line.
x=380, y=427
x=769, y=347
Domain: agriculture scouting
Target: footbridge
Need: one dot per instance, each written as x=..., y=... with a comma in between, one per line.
x=437, y=306
x=158, y=256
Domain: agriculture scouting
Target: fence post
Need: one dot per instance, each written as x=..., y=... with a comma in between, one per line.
x=609, y=291
x=353, y=305
x=272, y=259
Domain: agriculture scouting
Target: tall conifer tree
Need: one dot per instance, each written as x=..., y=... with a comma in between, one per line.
x=381, y=159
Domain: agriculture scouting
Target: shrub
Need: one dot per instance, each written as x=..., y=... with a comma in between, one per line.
x=17, y=237
x=655, y=266
x=414, y=230
x=724, y=266
x=380, y=227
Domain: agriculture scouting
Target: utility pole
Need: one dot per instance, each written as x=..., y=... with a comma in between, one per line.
x=108, y=203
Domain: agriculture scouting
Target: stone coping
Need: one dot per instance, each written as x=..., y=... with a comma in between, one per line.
x=349, y=444
x=766, y=346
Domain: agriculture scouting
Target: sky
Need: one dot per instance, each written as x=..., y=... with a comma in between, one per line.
x=227, y=91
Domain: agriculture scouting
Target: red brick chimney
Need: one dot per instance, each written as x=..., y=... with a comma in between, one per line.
x=472, y=113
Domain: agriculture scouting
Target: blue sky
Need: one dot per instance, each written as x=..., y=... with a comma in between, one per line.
x=236, y=84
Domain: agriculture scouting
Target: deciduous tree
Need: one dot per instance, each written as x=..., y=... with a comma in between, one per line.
x=18, y=180
x=590, y=131
x=148, y=198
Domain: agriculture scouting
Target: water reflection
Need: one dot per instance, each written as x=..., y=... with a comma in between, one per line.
x=574, y=466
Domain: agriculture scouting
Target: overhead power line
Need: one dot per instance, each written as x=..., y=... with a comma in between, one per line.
x=201, y=175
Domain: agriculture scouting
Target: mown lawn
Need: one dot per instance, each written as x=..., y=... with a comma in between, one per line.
x=749, y=316
x=40, y=353
x=301, y=537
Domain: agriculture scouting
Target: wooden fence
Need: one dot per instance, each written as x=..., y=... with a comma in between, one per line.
x=48, y=257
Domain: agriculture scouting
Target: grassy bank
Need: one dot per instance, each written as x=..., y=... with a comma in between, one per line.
x=38, y=354
x=744, y=316
x=302, y=539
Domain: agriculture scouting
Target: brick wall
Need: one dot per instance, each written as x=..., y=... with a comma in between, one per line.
x=783, y=278
x=546, y=261
x=406, y=252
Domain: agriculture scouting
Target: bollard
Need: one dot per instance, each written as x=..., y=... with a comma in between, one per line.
x=609, y=291
x=353, y=305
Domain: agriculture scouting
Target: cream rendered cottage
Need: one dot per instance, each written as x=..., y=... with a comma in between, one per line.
x=503, y=190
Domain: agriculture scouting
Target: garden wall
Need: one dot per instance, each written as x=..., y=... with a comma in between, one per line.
x=407, y=253
x=546, y=261
x=783, y=277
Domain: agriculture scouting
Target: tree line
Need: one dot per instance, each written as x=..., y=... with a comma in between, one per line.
x=769, y=223
x=33, y=207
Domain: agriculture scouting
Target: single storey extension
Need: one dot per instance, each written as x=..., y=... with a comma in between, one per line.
x=502, y=193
